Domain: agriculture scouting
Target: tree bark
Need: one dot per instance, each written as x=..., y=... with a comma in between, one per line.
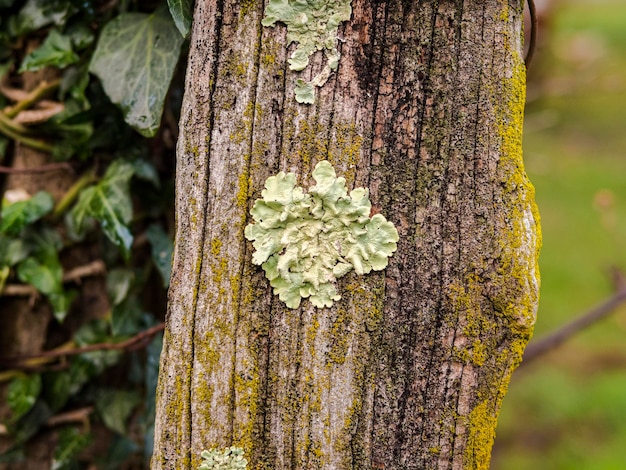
x=409, y=368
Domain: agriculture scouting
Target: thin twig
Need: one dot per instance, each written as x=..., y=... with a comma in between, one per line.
x=72, y=194
x=94, y=268
x=32, y=97
x=18, y=290
x=50, y=167
x=43, y=111
x=534, y=26
x=10, y=124
x=37, y=144
x=75, y=275
x=543, y=345
x=137, y=341
x=80, y=415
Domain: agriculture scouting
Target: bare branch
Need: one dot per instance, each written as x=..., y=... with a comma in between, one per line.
x=60, y=166
x=540, y=347
x=136, y=342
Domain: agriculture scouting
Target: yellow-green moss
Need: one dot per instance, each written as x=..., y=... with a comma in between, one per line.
x=216, y=246
x=247, y=398
x=482, y=431
x=245, y=7
x=339, y=337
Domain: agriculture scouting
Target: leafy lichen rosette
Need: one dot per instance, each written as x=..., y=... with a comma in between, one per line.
x=306, y=241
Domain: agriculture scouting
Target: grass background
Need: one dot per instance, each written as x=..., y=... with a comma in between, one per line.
x=567, y=410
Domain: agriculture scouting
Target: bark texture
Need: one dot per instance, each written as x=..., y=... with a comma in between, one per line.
x=408, y=369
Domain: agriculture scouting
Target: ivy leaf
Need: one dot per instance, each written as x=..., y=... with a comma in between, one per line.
x=182, y=14
x=80, y=35
x=43, y=270
x=57, y=388
x=126, y=318
x=153, y=355
x=95, y=362
x=109, y=202
x=22, y=394
x=19, y=214
x=135, y=59
x=12, y=250
x=61, y=303
x=28, y=425
x=45, y=277
x=146, y=171
x=71, y=443
x=119, y=282
x=115, y=407
x=56, y=51
x=36, y=14
x=162, y=249
x=119, y=451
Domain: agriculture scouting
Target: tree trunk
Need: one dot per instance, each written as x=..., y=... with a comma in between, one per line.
x=409, y=368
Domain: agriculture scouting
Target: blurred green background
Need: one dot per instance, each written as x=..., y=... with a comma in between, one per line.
x=567, y=409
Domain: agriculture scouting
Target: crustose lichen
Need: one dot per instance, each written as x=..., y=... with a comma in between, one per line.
x=306, y=241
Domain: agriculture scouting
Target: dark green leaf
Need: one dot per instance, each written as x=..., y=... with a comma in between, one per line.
x=43, y=270
x=61, y=303
x=119, y=282
x=145, y=170
x=80, y=35
x=126, y=318
x=17, y=215
x=152, y=376
x=56, y=51
x=118, y=452
x=109, y=202
x=12, y=250
x=45, y=241
x=6, y=3
x=73, y=84
x=181, y=11
x=57, y=388
x=39, y=13
x=22, y=394
x=115, y=407
x=95, y=331
x=30, y=423
x=14, y=455
x=162, y=249
x=72, y=140
x=4, y=143
x=71, y=443
x=135, y=59
x=45, y=277
x=93, y=363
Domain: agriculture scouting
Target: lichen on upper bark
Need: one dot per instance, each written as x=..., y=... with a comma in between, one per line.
x=313, y=25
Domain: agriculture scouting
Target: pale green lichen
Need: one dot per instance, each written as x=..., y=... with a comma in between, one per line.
x=313, y=25
x=306, y=241
x=229, y=459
